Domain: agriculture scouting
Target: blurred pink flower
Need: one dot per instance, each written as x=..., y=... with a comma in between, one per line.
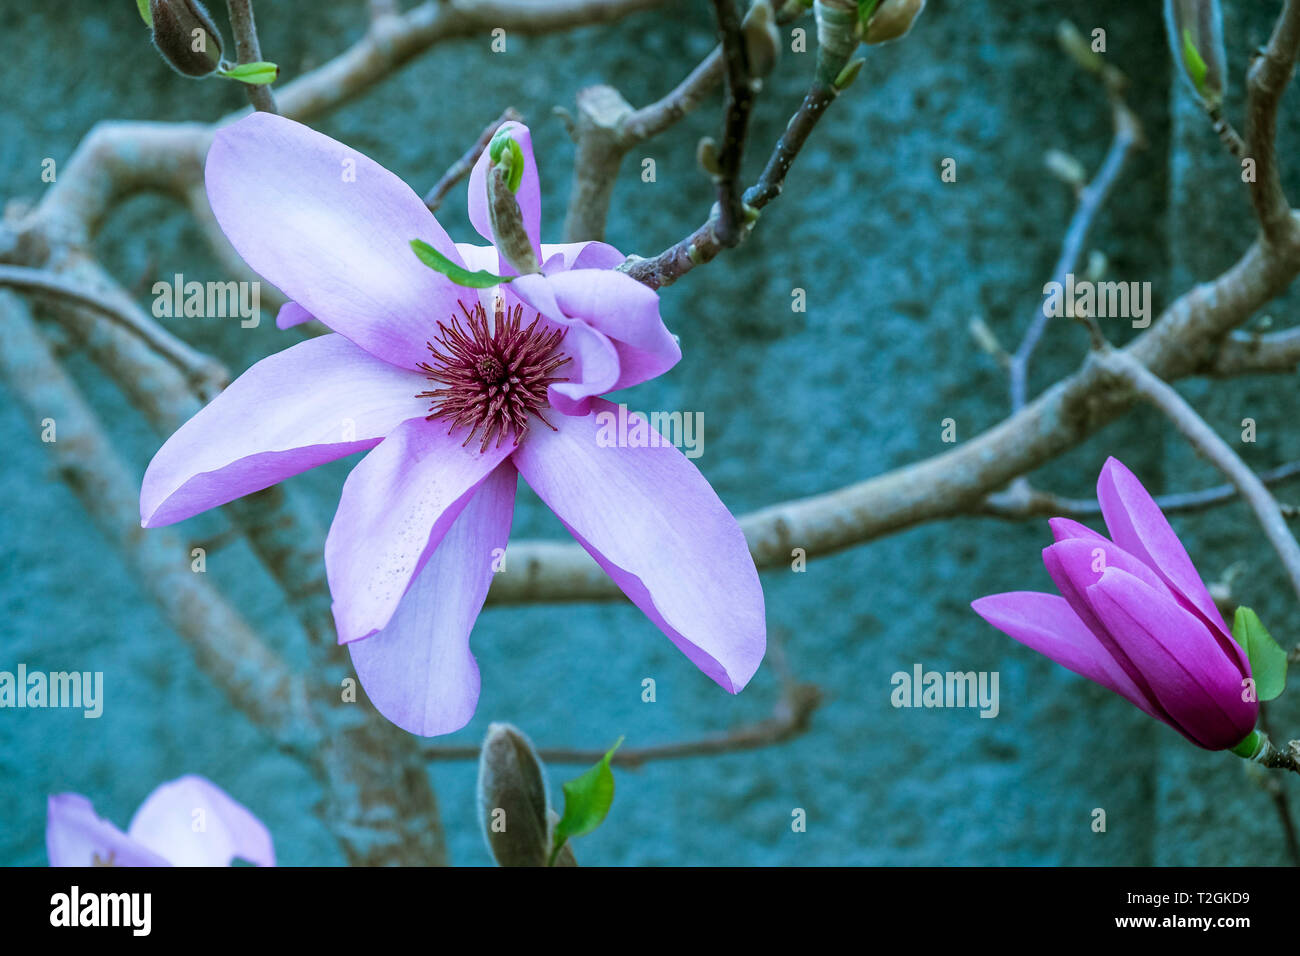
x=187, y=822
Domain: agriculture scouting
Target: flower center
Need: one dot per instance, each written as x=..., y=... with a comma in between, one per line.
x=492, y=378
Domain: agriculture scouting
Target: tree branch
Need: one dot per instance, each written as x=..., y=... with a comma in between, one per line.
x=1208, y=443
x=1092, y=198
x=1022, y=501
x=1267, y=80
x=249, y=50
x=791, y=717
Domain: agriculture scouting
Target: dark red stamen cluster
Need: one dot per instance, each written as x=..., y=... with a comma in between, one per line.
x=493, y=378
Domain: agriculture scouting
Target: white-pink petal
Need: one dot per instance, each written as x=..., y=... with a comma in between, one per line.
x=654, y=524
x=419, y=671
x=395, y=508
x=314, y=402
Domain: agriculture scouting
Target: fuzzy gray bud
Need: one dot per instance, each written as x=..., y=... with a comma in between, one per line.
x=512, y=799
x=186, y=36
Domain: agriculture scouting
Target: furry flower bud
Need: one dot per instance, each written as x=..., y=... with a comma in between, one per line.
x=892, y=20
x=186, y=36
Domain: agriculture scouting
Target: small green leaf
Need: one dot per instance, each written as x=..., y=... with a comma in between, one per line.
x=1267, y=659
x=435, y=260
x=254, y=74
x=1196, y=68
x=145, y=15
x=866, y=8
x=587, y=800
x=501, y=141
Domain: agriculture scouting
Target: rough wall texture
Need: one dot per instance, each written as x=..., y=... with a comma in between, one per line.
x=894, y=263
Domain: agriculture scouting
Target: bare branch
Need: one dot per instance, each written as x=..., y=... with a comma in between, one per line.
x=741, y=90
x=249, y=50
x=226, y=646
x=202, y=372
x=1208, y=443
x=1245, y=353
x=1022, y=501
x=1268, y=78
x=791, y=717
x=1092, y=198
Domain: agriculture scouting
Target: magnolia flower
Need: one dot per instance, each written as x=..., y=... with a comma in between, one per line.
x=187, y=822
x=453, y=392
x=1135, y=617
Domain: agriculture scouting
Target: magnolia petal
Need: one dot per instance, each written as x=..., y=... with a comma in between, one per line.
x=419, y=671
x=652, y=522
x=1139, y=526
x=291, y=314
x=76, y=836
x=395, y=508
x=1064, y=529
x=615, y=335
x=314, y=402
x=331, y=228
x=561, y=257
x=1076, y=564
x=193, y=822
x=1196, y=683
x=625, y=311
x=1047, y=624
x=529, y=194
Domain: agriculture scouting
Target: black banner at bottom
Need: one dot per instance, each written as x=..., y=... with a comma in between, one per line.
x=337, y=905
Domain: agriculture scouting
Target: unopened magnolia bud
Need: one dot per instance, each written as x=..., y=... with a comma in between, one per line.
x=839, y=32
x=503, y=178
x=706, y=152
x=762, y=42
x=186, y=36
x=512, y=799
x=1195, y=29
x=892, y=20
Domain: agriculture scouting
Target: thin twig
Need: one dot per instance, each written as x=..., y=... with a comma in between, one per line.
x=1278, y=795
x=200, y=370
x=1092, y=198
x=740, y=104
x=1208, y=443
x=249, y=50
x=1024, y=501
x=461, y=168
x=1268, y=78
x=791, y=717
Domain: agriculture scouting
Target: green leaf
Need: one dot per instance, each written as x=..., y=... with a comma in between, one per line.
x=587, y=800
x=145, y=15
x=254, y=74
x=865, y=10
x=1196, y=68
x=1267, y=659
x=501, y=141
x=435, y=260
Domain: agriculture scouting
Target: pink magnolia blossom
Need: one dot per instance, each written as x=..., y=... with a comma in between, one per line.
x=1135, y=617
x=453, y=392
x=187, y=822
